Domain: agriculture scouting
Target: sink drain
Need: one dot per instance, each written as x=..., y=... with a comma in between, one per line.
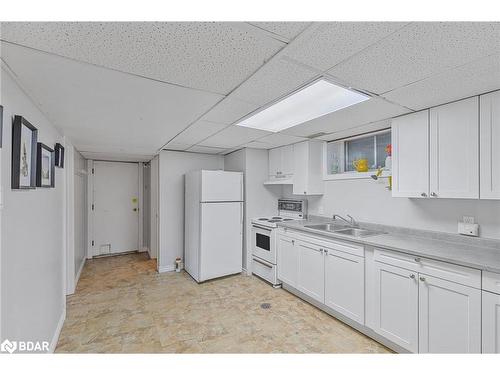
x=265, y=306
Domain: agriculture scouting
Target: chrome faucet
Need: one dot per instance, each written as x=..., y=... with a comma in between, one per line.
x=351, y=220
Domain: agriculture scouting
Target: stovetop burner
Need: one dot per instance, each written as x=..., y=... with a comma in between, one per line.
x=288, y=219
x=274, y=221
x=263, y=219
x=276, y=217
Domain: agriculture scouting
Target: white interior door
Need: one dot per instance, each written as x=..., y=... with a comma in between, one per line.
x=116, y=207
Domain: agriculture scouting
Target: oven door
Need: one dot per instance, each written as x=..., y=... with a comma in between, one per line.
x=264, y=243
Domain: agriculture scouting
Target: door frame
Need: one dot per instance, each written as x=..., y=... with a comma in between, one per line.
x=91, y=249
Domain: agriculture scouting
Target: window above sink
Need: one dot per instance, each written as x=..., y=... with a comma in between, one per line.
x=368, y=151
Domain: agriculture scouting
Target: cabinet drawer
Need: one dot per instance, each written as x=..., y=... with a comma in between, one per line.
x=491, y=282
x=344, y=246
x=447, y=271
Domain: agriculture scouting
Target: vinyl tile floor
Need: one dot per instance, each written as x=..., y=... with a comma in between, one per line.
x=122, y=305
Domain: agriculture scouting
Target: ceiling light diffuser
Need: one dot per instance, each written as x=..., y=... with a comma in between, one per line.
x=313, y=101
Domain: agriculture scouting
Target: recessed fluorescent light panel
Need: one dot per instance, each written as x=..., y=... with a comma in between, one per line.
x=313, y=101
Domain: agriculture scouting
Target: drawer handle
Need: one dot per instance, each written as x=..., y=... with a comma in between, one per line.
x=261, y=262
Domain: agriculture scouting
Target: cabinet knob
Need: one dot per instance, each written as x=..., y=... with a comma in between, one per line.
x=321, y=251
x=326, y=251
x=417, y=259
x=433, y=194
x=422, y=278
x=293, y=242
x=305, y=192
x=412, y=276
x=423, y=195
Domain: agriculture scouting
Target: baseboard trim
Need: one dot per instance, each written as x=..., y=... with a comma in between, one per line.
x=57, y=333
x=166, y=269
x=144, y=249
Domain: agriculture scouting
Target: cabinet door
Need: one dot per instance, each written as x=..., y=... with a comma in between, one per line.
x=300, y=177
x=454, y=150
x=288, y=259
x=490, y=145
x=311, y=279
x=396, y=305
x=344, y=284
x=449, y=317
x=491, y=322
x=410, y=155
x=274, y=161
x=287, y=166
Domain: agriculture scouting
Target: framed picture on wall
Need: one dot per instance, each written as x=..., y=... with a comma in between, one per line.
x=59, y=155
x=24, y=141
x=45, y=162
x=1, y=125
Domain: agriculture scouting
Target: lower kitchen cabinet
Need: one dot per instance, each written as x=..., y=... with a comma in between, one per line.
x=449, y=317
x=288, y=260
x=491, y=322
x=311, y=278
x=345, y=284
x=396, y=305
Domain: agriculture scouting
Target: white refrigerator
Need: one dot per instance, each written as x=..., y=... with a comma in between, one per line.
x=213, y=240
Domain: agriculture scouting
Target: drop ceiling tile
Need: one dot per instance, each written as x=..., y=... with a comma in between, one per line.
x=177, y=146
x=277, y=78
x=418, y=51
x=288, y=30
x=328, y=43
x=113, y=156
x=280, y=139
x=468, y=80
x=371, y=127
x=206, y=150
x=372, y=110
x=105, y=108
x=213, y=56
x=258, y=144
x=197, y=132
x=233, y=136
x=229, y=110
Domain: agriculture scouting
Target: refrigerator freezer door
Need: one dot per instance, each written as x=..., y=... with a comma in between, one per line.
x=221, y=186
x=221, y=239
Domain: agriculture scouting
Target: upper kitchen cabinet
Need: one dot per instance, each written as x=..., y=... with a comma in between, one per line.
x=299, y=165
x=436, y=152
x=454, y=150
x=490, y=145
x=308, y=172
x=281, y=162
x=410, y=153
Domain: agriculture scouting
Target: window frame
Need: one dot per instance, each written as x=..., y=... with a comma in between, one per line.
x=347, y=175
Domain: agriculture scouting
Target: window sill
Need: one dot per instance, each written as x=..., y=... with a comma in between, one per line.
x=354, y=175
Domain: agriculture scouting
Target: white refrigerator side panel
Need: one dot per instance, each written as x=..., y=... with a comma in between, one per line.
x=192, y=224
x=221, y=239
x=221, y=186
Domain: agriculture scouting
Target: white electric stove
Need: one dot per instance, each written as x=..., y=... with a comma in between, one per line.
x=264, y=233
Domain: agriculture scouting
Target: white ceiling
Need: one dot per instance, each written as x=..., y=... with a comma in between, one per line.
x=133, y=88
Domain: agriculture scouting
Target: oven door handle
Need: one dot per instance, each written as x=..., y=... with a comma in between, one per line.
x=258, y=226
x=269, y=265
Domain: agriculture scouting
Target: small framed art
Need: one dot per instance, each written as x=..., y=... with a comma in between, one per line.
x=59, y=155
x=45, y=162
x=24, y=141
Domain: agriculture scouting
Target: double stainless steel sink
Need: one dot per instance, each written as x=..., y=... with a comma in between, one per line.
x=344, y=230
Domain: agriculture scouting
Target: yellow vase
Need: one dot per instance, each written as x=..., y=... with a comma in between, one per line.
x=361, y=165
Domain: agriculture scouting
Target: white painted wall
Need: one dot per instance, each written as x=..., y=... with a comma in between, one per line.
x=369, y=201
x=80, y=212
x=33, y=238
x=260, y=200
x=172, y=167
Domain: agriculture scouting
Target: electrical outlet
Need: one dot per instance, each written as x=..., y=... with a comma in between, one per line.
x=468, y=219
